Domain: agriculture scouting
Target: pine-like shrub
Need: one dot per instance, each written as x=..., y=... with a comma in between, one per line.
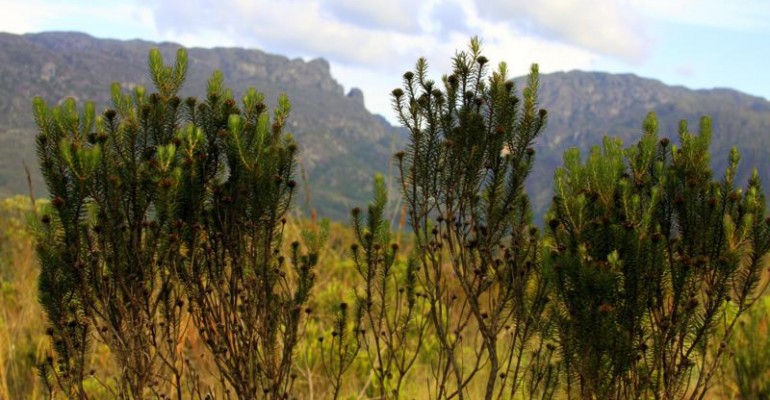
x=389, y=309
x=235, y=187
x=646, y=250
x=165, y=210
x=477, y=255
x=106, y=245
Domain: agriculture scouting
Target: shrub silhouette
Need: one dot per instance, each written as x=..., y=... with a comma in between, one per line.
x=390, y=311
x=107, y=246
x=646, y=251
x=162, y=210
x=463, y=178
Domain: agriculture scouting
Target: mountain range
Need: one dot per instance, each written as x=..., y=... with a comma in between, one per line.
x=342, y=144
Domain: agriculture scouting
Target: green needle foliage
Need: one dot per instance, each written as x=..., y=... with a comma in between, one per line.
x=105, y=245
x=749, y=368
x=646, y=250
x=235, y=189
x=392, y=325
x=339, y=352
x=159, y=201
x=478, y=254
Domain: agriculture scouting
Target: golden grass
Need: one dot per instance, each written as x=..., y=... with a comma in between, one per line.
x=23, y=340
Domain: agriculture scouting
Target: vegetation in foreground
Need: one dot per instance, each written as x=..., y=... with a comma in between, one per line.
x=169, y=269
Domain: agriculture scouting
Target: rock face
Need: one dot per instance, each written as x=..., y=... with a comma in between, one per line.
x=342, y=144
x=583, y=107
x=357, y=95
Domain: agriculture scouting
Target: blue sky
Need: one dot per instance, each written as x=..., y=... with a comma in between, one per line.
x=369, y=44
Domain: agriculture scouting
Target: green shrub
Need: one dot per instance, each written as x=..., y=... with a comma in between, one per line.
x=646, y=250
x=163, y=210
x=478, y=256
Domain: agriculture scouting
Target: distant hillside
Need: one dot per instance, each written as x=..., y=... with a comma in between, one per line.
x=343, y=144
x=583, y=107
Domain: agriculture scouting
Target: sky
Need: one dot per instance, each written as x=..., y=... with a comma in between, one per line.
x=700, y=44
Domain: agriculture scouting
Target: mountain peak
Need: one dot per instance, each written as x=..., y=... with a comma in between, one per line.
x=320, y=63
x=356, y=95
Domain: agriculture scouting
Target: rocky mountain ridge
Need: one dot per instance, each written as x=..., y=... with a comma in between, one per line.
x=342, y=144
x=338, y=136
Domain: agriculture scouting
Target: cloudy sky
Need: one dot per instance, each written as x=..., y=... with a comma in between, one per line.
x=696, y=43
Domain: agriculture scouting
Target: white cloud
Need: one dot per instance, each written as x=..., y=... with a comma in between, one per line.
x=741, y=15
x=393, y=15
x=112, y=19
x=370, y=44
x=605, y=26
x=299, y=28
x=23, y=17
